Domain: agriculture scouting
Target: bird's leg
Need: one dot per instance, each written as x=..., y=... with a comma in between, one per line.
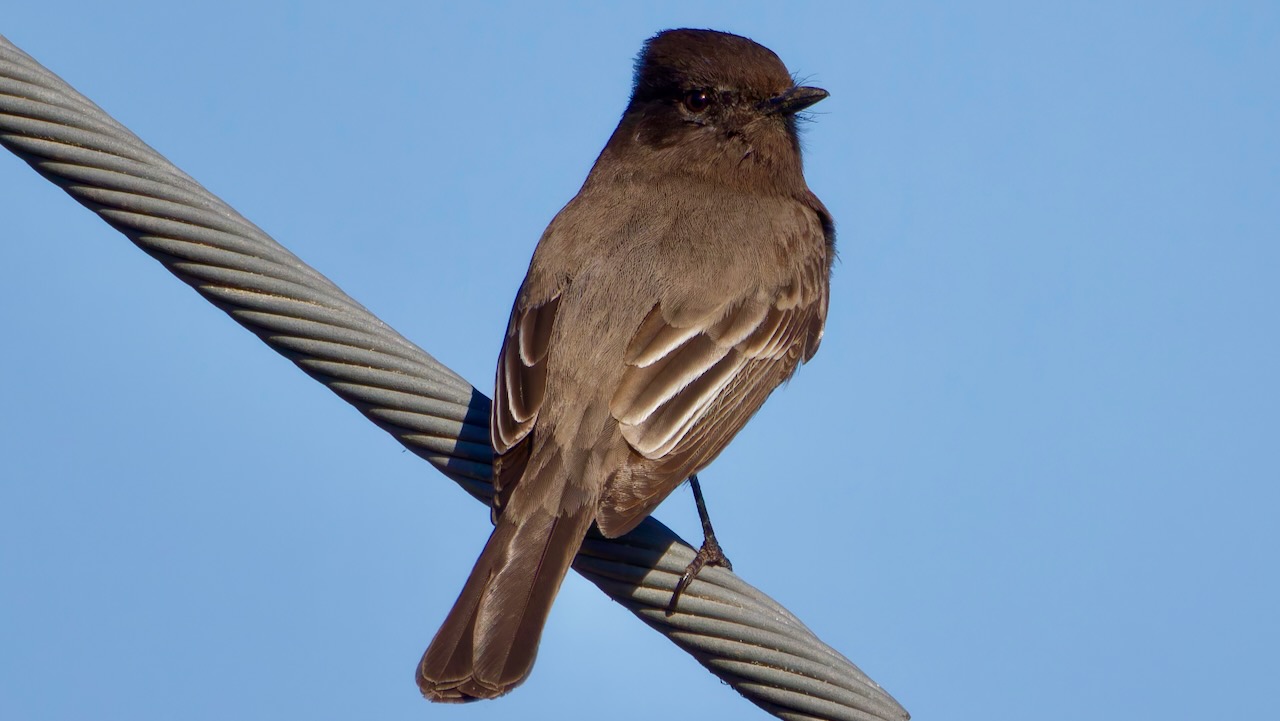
x=710, y=554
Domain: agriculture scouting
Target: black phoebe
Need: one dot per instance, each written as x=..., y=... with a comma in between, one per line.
x=664, y=303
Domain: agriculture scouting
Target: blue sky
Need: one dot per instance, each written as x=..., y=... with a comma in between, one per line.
x=1032, y=472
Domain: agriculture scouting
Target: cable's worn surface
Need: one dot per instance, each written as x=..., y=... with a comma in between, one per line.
x=732, y=629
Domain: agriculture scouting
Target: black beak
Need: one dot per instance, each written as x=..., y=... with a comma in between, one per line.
x=793, y=101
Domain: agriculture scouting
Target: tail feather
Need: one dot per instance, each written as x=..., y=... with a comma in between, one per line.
x=488, y=642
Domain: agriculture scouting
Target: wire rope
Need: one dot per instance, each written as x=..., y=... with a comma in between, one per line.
x=735, y=631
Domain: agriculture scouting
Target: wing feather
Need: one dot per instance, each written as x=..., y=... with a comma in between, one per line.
x=519, y=391
x=688, y=389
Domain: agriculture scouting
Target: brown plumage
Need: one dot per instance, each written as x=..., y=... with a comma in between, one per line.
x=663, y=304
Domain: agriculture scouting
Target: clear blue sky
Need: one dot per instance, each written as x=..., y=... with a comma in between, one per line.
x=1032, y=473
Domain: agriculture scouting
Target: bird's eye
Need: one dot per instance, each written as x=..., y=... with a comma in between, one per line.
x=696, y=101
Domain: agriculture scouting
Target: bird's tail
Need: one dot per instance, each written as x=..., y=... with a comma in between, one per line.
x=488, y=643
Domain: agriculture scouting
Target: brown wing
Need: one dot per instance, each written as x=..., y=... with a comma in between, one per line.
x=693, y=379
x=520, y=389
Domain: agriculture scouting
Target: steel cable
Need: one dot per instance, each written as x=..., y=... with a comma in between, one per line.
x=734, y=630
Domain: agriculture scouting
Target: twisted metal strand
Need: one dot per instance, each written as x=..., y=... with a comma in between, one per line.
x=734, y=630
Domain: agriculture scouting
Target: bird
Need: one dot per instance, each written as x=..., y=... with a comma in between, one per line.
x=686, y=280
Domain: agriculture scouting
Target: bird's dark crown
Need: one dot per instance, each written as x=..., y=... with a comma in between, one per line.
x=676, y=62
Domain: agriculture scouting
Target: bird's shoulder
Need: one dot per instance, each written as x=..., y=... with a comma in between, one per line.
x=680, y=239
